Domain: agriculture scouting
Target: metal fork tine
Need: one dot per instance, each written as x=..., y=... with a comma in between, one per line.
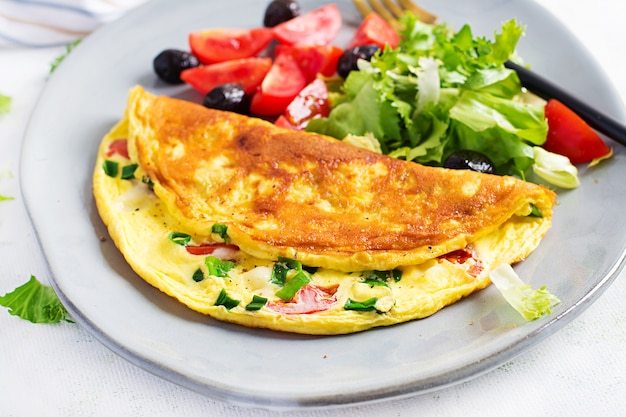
x=384, y=12
x=393, y=7
x=390, y=10
x=422, y=14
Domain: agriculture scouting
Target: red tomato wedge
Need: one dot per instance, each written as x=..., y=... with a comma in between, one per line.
x=249, y=72
x=119, y=147
x=374, y=30
x=314, y=59
x=281, y=85
x=311, y=103
x=219, y=45
x=309, y=299
x=211, y=248
x=317, y=27
x=571, y=136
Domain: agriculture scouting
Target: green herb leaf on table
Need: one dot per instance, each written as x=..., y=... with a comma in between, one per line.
x=36, y=303
x=5, y=104
x=68, y=48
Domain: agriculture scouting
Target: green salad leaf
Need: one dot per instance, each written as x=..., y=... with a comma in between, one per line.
x=531, y=304
x=36, y=303
x=438, y=92
x=5, y=104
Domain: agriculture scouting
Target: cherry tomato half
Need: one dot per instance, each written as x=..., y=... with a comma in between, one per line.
x=317, y=27
x=571, y=136
x=374, y=30
x=249, y=72
x=280, y=86
x=219, y=45
x=311, y=103
x=314, y=59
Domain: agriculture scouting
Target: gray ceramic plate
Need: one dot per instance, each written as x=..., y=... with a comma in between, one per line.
x=577, y=260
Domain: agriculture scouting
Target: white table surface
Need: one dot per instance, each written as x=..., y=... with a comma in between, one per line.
x=61, y=370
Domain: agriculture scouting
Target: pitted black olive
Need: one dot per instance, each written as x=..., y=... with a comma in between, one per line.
x=229, y=97
x=466, y=159
x=348, y=61
x=280, y=11
x=171, y=62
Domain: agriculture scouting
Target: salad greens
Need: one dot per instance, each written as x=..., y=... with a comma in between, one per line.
x=5, y=104
x=531, y=304
x=36, y=303
x=438, y=92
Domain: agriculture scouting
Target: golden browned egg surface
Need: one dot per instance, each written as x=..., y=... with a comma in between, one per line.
x=312, y=197
x=436, y=232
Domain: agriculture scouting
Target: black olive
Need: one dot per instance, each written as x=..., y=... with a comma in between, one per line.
x=280, y=11
x=229, y=97
x=466, y=159
x=171, y=62
x=347, y=61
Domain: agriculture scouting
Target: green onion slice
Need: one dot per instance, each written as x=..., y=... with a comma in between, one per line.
x=257, y=303
x=220, y=229
x=198, y=275
x=180, y=238
x=367, y=305
x=111, y=168
x=217, y=267
x=128, y=171
x=292, y=286
x=535, y=212
x=224, y=300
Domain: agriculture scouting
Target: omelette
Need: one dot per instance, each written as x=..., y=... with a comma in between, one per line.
x=298, y=232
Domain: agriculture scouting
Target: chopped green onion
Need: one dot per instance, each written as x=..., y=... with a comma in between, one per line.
x=111, y=168
x=180, y=238
x=290, y=263
x=382, y=276
x=220, y=229
x=279, y=274
x=146, y=180
x=257, y=303
x=198, y=275
x=375, y=283
x=224, y=300
x=293, y=285
x=367, y=305
x=128, y=171
x=535, y=212
x=217, y=267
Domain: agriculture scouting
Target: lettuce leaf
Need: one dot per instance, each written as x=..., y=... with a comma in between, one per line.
x=36, y=303
x=531, y=304
x=5, y=104
x=438, y=92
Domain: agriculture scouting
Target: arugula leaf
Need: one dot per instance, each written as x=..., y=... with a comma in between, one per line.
x=5, y=104
x=438, y=92
x=36, y=303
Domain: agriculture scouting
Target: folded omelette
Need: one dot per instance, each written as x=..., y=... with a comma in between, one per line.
x=295, y=231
